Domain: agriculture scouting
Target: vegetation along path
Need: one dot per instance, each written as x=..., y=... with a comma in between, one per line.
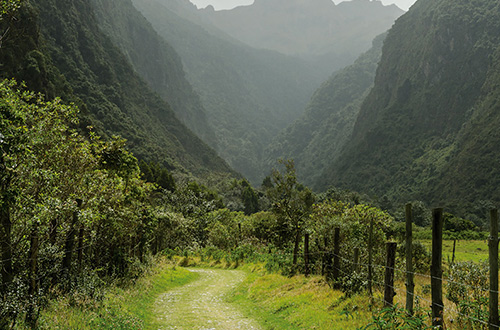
x=200, y=305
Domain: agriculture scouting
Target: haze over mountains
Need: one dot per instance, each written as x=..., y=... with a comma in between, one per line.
x=251, y=94
x=329, y=35
x=316, y=139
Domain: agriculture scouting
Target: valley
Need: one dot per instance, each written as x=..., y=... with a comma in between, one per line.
x=280, y=165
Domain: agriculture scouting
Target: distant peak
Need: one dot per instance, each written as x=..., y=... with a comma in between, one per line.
x=292, y=3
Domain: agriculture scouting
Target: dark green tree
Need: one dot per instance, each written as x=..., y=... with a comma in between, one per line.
x=291, y=203
x=250, y=200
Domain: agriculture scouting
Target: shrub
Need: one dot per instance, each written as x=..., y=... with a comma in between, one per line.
x=467, y=288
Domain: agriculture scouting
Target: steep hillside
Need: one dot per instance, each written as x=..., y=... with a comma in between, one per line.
x=329, y=35
x=249, y=95
x=316, y=139
x=155, y=60
x=419, y=133
x=21, y=55
x=92, y=71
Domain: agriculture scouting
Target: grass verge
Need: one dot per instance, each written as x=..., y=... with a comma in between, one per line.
x=122, y=308
x=298, y=302
x=465, y=250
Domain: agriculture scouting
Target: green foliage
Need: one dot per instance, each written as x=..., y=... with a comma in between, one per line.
x=421, y=257
x=250, y=200
x=467, y=288
x=113, y=98
x=455, y=224
x=353, y=283
x=222, y=227
x=354, y=223
x=47, y=165
x=291, y=202
x=9, y=8
x=155, y=173
x=397, y=318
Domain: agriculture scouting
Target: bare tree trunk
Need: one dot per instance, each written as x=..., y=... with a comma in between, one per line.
x=70, y=240
x=80, y=247
x=32, y=310
x=296, y=247
x=33, y=260
x=53, y=231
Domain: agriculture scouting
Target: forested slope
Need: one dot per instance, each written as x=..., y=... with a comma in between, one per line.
x=316, y=139
x=428, y=128
x=92, y=71
x=155, y=60
x=249, y=94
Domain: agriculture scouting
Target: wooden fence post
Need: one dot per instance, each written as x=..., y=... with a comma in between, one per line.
x=389, y=291
x=453, y=254
x=324, y=259
x=370, y=258
x=81, y=235
x=493, y=256
x=410, y=285
x=336, y=258
x=306, y=253
x=436, y=268
x=356, y=260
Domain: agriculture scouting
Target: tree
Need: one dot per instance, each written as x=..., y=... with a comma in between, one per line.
x=61, y=192
x=249, y=198
x=12, y=136
x=8, y=8
x=291, y=203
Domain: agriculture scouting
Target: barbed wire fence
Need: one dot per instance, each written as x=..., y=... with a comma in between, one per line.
x=343, y=266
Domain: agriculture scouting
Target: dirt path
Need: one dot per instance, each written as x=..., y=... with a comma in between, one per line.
x=200, y=305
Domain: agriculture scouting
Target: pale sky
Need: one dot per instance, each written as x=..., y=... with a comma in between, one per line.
x=229, y=4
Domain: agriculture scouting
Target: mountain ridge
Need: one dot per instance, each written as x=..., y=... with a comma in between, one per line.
x=113, y=99
x=428, y=90
x=316, y=139
x=249, y=94
x=155, y=60
x=319, y=31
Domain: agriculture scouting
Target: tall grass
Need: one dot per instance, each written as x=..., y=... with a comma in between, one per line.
x=130, y=307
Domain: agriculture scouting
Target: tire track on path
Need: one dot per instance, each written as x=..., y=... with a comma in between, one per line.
x=200, y=305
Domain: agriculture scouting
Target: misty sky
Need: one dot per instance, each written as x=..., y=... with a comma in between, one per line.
x=228, y=4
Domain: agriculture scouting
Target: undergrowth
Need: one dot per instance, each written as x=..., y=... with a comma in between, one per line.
x=126, y=307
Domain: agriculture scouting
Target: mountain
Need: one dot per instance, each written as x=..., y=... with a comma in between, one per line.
x=59, y=49
x=155, y=61
x=331, y=36
x=316, y=139
x=249, y=94
x=428, y=130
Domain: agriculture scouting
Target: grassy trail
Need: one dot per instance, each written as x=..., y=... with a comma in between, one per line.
x=200, y=305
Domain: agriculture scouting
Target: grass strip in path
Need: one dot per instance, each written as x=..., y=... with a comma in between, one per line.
x=202, y=304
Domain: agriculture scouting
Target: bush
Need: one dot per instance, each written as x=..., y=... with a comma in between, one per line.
x=397, y=318
x=353, y=283
x=467, y=288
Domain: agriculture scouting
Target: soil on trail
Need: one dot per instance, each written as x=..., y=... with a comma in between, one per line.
x=200, y=305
